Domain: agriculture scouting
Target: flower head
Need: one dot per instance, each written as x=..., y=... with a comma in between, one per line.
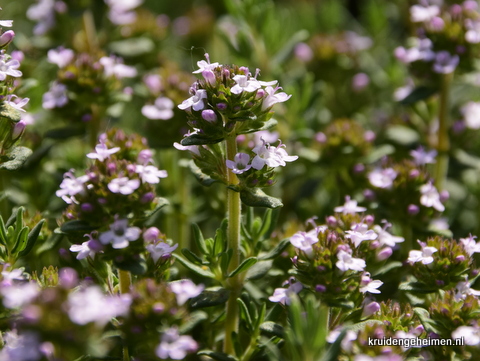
x=347, y=262
x=71, y=186
x=350, y=207
x=60, y=56
x=160, y=249
x=196, y=101
x=283, y=295
x=123, y=185
x=382, y=178
x=205, y=65
x=430, y=197
x=424, y=256
x=150, y=174
x=175, y=347
x=185, y=289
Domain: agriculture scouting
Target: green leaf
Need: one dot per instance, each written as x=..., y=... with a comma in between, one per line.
x=419, y=93
x=198, y=238
x=194, y=268
x=192, y=321
x=3, y=232
x=259, y=270
x=272, y=329
x=76, y=226
x=21, y=240
x=219, y=356
x=134, y=266
x=225, y=258
x=132, y=47
x=199, y=139
x=32, y=238
x=201, y=177
x=257, y=198
x=9, y=112
x=192, y=257
x=210, y=297
x=387, y=268
x=219, y=242
x=416, y=287
x=334, y=350
x=16, y=157
x=50, y=243
x=13, y=217
x=244, y=266
x=266, y=125
x=266, y=222
x=277, y=251
x=245, y=314
x=402, y=134
x=65, y=132
x=151, y=216
x=378, y=153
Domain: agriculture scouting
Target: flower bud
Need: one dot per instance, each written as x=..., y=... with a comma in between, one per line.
x=68, y=277
x=18, y=129
x=370, y=309
x=6, y=38
x=321, y=138
x=444, y=195
x=369, y=219
x=147, y=197
x=209, y=77
x=384, y=254
x=413, y=209
x=87, y=207
x=209, y=115
x=331, y=221
x=221, y=106
x=144, y=156
x=320, y=288
x=151, y=234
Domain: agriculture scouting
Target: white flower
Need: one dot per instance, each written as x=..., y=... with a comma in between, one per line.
x=463, y=290
x=422, y=157
x=102, y=152
x=360, y=233
x=471, y=114
x=305, y=240
x=83, y=250
x=347, y=341
x=347, y=262
x=175, y=347
x=123, y=185
x=424, y=256
x=470, y=245
x=71, y=186
x=150, y=174
x=371, y=287
x=420, y=13
x=205, y=65
x=469, y=334
x=245, y=83
x=195, y=102
x=270, y=156
x=60, y=56
x=386, y=238
x=113, y=66
x=350, y=207
x=382, y=178
x=17, y=105
x=283, y=295
x=19, y=294
x=430, y=197
x=162, y=109
x=273, y=98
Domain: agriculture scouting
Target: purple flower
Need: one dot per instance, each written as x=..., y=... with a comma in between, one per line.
x=185, y=289
x=386, y=238
x=174, y=346
x=160, y=249
x=422, y=157
x=151, y=234
x=445, y=63
x=305, y=240
x=23, y=347
x=463, y=290
x=102, y=152
x=370, y=308
x=162, y=109
x=430, y=197
x=303, y=52
x=239, y=164
x=92, y=305
x=85, y=249
x=283, y=295
x=245, y=83
x=209, y=115
x=71, y=186
x=382, y=178
x=195, y=102
x=470, y=335
x=360, y=81
x=205, y=65
x=369, y=285
x=56, y=97
x=347, y=262
x=350, y=207
x=44, y=13
x=120, y=235
x=113, y=66
x=60, y=56
x=273, y=98
x=150, y=174
x=17, y=105
x=145, y=156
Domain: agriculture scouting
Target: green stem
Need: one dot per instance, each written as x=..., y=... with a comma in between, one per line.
x=443, y=141
x=233, y=239
x=124, y=281
x=4, y=204
x=90, y=32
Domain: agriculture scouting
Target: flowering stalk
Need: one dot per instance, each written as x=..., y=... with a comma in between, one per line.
x=443, y=141
x=233, y=239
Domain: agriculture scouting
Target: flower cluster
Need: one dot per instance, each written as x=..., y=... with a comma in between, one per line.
x=336, y=260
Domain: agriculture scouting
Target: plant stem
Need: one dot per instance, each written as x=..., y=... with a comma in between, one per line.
x=4, y=204
x=233, y=239
x=443, y=141
x=124, y=281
